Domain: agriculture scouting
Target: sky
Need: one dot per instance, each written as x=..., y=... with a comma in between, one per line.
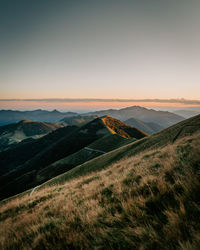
x=118, y=49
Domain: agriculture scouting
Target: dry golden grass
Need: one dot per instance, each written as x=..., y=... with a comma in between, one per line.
x=149, y=201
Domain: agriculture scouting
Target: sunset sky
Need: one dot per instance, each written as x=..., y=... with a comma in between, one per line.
x=126, y=49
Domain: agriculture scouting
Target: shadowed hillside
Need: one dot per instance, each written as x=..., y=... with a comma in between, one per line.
x=147, y=127
x=25, y=129
x=20, y=168
x=78, y=120
x=22, y=152
x=170, y=135
x=97, y=148
x=149, y=199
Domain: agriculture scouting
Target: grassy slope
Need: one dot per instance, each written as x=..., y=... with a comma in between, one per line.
x=12, y=134
x=120, y=128
x=33, y=172
x=106, y=144
x=146, y=201
x=169, y=135
x=17, y=156
x=78, y=120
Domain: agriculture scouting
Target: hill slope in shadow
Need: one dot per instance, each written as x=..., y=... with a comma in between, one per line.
x=148, y=127
x=12, y=134
x=148, y=199
x=20, y=168
x=170, y=135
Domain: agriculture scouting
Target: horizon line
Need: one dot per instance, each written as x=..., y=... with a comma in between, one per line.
x=173, y=100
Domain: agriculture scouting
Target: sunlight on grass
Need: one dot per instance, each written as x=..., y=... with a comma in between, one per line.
x=148, y=201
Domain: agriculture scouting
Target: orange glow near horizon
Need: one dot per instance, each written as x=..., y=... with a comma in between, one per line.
x=86, y=105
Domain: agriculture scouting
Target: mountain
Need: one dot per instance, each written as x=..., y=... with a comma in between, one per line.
x=147, y=127
x=186, y=113
x=165, y=137
x=14, y=133
x=117, y=127
x=144, y=195
x=162, y=118
x=78, y=120
x=12, y=116
x=99, y=147
x=23, y=151
x=19, y=166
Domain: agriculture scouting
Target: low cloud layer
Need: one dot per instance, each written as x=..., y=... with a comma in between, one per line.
x=85, y=100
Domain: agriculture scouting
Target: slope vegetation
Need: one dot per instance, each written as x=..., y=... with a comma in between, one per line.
x=15, y=133
x=20, y=171
x=146, y=200
x=97, y=148
x=170, y=135
x=78, y=120
x=22, y=152
x=120, y=128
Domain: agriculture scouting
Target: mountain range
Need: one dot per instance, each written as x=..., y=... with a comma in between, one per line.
x=13, y=116
x=21, y=166
x=161, y=118
x=187, y=113
x=137, y=192
x=14, y=133
x=147, y=127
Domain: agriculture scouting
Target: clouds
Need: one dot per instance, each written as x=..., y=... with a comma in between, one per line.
x=88, y=100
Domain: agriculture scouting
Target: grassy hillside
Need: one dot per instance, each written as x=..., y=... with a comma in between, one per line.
x=17, y=156
x=93, y=150
x=122, y=129
x=14, y=133
x=78, y=120
x=148, y=200
x=159, y=140
x=28, y=170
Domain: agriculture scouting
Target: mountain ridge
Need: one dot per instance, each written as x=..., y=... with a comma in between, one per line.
x=147, y=198
x=13, y=116
x=12, y=134
x=169, y=135
x=25, y=169
x=148, y=127
x=162, y=118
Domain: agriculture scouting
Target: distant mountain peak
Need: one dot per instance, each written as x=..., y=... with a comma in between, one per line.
x=55, y=111
x=136, y=107
x=162, y=118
